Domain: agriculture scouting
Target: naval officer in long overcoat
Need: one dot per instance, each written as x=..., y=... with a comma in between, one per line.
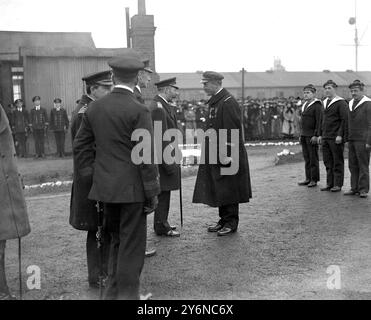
x=225, y=191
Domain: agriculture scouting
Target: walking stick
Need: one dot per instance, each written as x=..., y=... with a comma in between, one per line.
x=20, y=267
x=180, y=196
x=100, y=247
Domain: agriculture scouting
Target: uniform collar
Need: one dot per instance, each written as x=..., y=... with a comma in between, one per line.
x=122, y=86
x=138, y=88
x=163, y=98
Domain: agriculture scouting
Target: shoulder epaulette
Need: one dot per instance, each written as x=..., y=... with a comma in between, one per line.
x=227, y=98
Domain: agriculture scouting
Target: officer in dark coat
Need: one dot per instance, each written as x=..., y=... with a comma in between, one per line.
x=144, y=78
x=39, y=125
x=359, y=138
x=59, y=124
x=224, y=181
x=14, y=221
x=310, y=131
x=164, y=115
x=83, y=212
x=332, y=137
x=20, y=127
x=127, y=187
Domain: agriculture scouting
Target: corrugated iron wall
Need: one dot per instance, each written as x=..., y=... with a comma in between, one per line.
x=58, y=77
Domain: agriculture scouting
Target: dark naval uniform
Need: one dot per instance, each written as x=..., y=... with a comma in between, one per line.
x=164, y=113
x=118, y=182
x=39, y=124
x=334, y=124
x=359, y=134
x=311, y=127
x=212, y=187
x=83, y=212
x=59, y=124
x=20, y=126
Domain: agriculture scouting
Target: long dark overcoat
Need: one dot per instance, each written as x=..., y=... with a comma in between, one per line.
x=83, y=212
x=13, y=211
x=213, y=188
x=164, y=113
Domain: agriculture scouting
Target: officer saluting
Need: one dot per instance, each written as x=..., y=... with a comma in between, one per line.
x=83, y=212
x=212, y=187
x=164, y=113
x=128, y=190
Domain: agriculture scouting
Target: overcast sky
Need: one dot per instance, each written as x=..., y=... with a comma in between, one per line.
x=223, y=35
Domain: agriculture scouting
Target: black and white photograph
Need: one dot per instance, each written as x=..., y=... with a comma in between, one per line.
x=174, y=150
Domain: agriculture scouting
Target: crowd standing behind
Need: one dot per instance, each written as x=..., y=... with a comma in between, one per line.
x=263, y=119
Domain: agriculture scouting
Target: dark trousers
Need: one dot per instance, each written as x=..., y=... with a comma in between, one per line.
x=20, y=137
x=333, y=158
x=3, y=284
x=59, y=141
x=128, y=225
x=229, y=216
x=160, y=223
x=310, y=154
x=94, y=255
x=39, y=135
x=359, y=162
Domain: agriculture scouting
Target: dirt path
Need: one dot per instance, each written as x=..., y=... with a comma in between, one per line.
x=288, y=237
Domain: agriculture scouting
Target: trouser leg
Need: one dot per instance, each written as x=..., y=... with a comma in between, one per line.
x=314, y=160
x=353, y=167
x=37, y=143
x=93, y=255
x=305, y=149
x=337, y=151
x=57, y=142
x=328, y=161
x=161, y=224
x=127, y=250
x=229, y=216
x=62, y=141
x=363, y=156
x=3, y=284
x=42, y=142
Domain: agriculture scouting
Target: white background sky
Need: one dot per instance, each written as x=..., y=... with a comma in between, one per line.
x=223, y=35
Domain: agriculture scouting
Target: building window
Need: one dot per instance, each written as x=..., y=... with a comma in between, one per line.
x=17, y=81
x=17, y=69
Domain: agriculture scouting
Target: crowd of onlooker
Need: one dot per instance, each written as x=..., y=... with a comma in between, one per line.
x=276, y=118
x=263, y=119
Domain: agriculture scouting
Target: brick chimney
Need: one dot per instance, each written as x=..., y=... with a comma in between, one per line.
x=143, y=40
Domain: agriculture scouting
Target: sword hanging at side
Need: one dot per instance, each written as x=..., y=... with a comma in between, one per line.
x=181, y=196
x=20, y=267
x=99, y=238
